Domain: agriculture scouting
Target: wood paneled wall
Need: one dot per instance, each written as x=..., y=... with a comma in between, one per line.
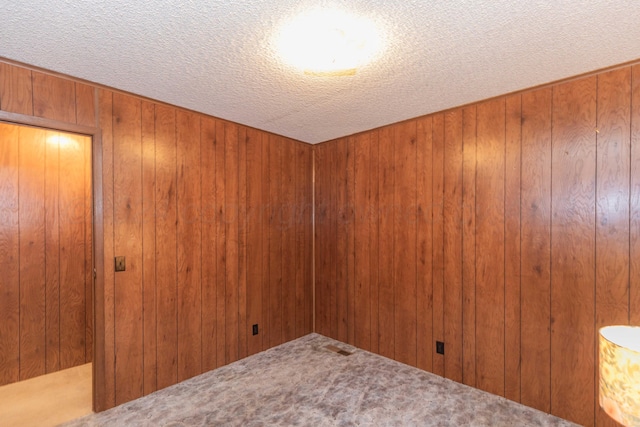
x=508, y=229
x=46, y=298
x=214, y=220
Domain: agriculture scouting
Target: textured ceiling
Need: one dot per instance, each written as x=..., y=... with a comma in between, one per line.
x=217, y=57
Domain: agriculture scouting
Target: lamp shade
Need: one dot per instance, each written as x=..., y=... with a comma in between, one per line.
x=620, y=373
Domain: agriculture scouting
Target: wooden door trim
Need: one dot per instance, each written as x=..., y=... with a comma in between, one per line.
x=99, y=356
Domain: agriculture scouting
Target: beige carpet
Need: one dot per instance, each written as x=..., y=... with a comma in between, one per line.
x=304, y=383
x=47, y=400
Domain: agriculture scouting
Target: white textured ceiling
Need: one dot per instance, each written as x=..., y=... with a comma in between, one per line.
x=216, y=56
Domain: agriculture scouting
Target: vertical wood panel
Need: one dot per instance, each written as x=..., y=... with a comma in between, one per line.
x=512, y=247
x=438, y=238
x=301, y=218
x=453, y=245
x=374, y=182
x=322, y=255
x=16, y=89
x=275, y=241
x=85, y=104
x=254, y=238
x=9, y=255
x=231, y=227
x=166, y=241
x=308, y=219
x=221, y=237
x=634, y=255
x=490, y=340
x=209, y=244
x=52, y=252
x=386, y=291
x=573, y=250
x=189, y=255
x=127, y=178
x=88, y=246
x=350, y=239
x=54, y=98
x=288, y=241
x=535, y=312
x=31, y=197
x=149, y=303
x=612, y=207
x=405, y=259
x=362, y=309
x=469, y=245
x=104, y=321
x=340, y=208
x=242, y=243
x=424, y=285
x=265, y=216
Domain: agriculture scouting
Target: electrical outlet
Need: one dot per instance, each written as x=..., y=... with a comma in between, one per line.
x=121, y=264
x=439, y=347
x=254, y=328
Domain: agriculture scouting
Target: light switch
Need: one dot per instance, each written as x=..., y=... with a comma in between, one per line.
x=120, y=263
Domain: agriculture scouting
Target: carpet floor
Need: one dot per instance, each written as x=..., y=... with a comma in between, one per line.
x=303, y=383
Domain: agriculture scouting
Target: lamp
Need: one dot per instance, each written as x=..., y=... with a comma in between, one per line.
x=620, y=373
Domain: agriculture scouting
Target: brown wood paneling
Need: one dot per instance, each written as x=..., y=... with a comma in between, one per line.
x=104, y=363
x=535, y=267
x=149, y=303
x=322, y=254
x=52, y=252
x=54, y=97
x=275, y=241
x=127, y=207
x=512, y=325
x=289, y=252
x=386, y=300
x=221, y=241
x=302, y=181
x=209, y=244
x=573, y=250
x=404, y=232
x=16, y=89
x=242, y=243
x=340, y=284
x=634, y=254
x=490, y=311
x=254, y=239
x=453, y=245
x=374, y=182
x=438, y=238
x=349, y=220
x=189, y=243
x=85, y=104
x=424, y=282
x=231, y=256
x=9, y=255
x=307, y=224
x=31, y=231
x=612, y=207
x=88, y=247
x=362, y=309
x=265, y=218
x=469, y=162
x=166, y=244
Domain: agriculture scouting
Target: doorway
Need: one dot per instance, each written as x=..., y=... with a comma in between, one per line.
x=46, y=254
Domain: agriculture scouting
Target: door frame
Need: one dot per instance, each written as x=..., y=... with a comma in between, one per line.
x=99, y=356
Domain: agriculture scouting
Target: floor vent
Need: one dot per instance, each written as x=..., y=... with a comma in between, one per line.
x=338, y=350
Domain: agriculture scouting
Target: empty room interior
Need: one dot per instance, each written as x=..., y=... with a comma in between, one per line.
x=319, y=212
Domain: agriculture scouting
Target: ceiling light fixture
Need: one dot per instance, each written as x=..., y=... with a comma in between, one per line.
x=328, y=42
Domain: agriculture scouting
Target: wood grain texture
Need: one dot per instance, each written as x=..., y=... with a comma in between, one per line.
x=289, y=252
x=221, y=242
x=104, y=362
x=386, y=227
x=265, y=218
x=275, y=241
x=634, y=200
x=88, y=247
x=438, y=238
x=513, y=162
x=340, y=207
x=209, y=244
x=166, y=246
x=573, y=250
x=149, y=303
x=404, y=232
x=16, y=89
x=612, y=208
x=53, y=97
x=453, y=208
x=349, y=218
x=31, y=197
x=127, y=207
x=374, y=182
x=469, y=162
x=85, y=104
x=189, y=243
x=490, y=216
x=9, y=255
x=535, y=278
x=231, y=231
x=242, y=244
x=424, y=244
